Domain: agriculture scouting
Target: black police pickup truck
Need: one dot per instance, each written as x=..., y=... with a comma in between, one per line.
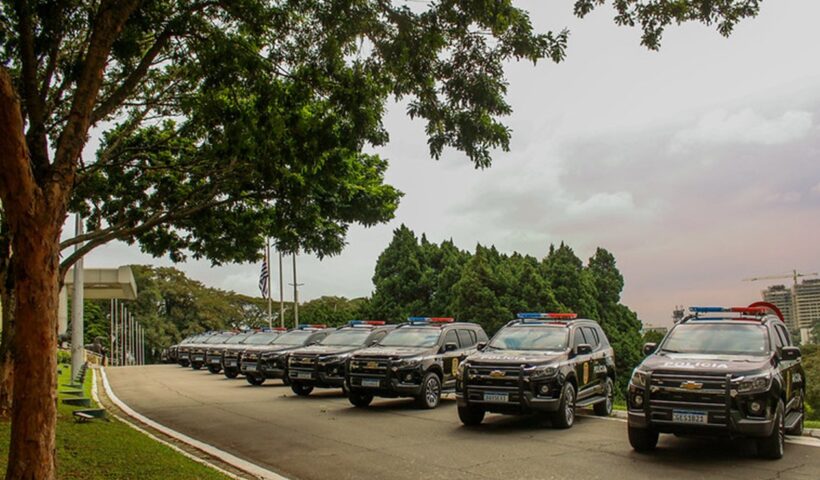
x=418, y=359
x=323, y=365
x=199, y=350
x=183, y=350
x=213, y=352
x=271, y=362
x=258, y=341
x=720, y=371
x=541, y=362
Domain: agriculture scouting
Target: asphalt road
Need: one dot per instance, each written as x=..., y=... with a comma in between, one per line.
x=324, y=437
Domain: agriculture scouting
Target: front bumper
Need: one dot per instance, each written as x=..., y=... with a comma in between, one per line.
x=230, y=363
x=318, y=375
x=215, y=360
x=386, y=387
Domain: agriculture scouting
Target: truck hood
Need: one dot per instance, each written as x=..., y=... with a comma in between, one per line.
x=325, y=350
x=393, y=352
x=705, y=363
x=514, y=357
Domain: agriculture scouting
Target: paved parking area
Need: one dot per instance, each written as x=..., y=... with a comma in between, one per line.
x=324, y=437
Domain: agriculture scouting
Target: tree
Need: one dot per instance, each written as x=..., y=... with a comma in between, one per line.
x=402, y=289
x=569, y=281
x=474, y=295
x=140, y=63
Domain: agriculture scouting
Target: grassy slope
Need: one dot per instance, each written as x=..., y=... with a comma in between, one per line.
x=103, y=450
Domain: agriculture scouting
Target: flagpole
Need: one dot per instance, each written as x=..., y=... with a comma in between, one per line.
x=267, y=262
x=281, y=293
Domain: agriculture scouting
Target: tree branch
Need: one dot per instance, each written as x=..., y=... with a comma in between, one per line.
x=107, y=26
x=34, y=108
x=18, y=187
x=121, y=93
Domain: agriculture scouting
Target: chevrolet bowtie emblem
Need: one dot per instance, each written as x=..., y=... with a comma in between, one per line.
x=690, y=385
x=496, y=373
x=372, y=365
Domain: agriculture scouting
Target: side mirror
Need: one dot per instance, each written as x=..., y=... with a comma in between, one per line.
x=481, y=346
x=373, y=342
x=449, y=347
x=789, y=353
x=583, y=349
x=649, y=348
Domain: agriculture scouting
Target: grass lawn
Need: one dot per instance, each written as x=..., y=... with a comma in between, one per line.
x=110, y=450
x=812, y=423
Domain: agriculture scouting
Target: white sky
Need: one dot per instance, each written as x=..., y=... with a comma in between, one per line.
x=697, y=166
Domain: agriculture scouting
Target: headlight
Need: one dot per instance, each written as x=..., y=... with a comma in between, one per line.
x=407, y=362
x=544, y=371
x=757, y=383
x=331, y=359
x=638, y=378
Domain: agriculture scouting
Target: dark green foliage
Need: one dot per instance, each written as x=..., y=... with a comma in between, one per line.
x=811, y=363
x=654, y=16
x=652, y=336
x=330, y=311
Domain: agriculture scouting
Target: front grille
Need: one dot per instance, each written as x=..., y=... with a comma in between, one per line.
x=369, y=366
x=670, y=391
x=494, y=376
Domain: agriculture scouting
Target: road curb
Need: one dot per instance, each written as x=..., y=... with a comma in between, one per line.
x=250, y=468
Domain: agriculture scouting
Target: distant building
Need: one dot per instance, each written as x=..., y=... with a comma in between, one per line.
x=781, y=297
x=807, y=301
x=800, y=304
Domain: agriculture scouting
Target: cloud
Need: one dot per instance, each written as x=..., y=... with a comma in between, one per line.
x=816, y=189
x=601, y=204
x=745, y=127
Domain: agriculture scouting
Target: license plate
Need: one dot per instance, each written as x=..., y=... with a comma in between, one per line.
x=250, y=367
x=371, y=382
x=231, y=363
x=183, y=355
x=689, y=416
x=303, y=375
x=497, y=397
x=215, y=360
x=198, y=358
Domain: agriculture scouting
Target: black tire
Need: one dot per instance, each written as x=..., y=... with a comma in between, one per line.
x=772, y=447
x=359, y=399
x=286, y=380
x=214, y=369
x=471, y=416
x=430, y=395
x=196, y=366
x=231, y=373
x=565, y=416
x=798, y=429
x=301, y=389
x=255, y=380
x=643, y=439
x=604, y=409
x=184, y=364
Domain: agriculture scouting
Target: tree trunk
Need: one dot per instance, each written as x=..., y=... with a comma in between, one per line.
x=34, y=416
x=7, y=305
x=34, y=218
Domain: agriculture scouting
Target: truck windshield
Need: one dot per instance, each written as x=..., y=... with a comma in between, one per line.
x=353, y=338
x=530, y=338
x=735, y=339
x=296, y=337
x=411, y=337
x=261, y=338
x=237, y=338
x=217, y=339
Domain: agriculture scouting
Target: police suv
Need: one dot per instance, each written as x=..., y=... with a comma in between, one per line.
x=720, y=371
x=541, y=362
x=418, y=359
x=213, y=352
x=232, y=354
x=271, y=362
x=323, y=365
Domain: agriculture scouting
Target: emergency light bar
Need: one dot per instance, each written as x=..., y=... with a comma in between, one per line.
x=364, y=323
x=309, y=325
x=426, y=320
x=746, y=310
x=547, y=316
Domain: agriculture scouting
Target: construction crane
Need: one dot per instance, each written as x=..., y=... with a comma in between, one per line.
x=794, y=276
